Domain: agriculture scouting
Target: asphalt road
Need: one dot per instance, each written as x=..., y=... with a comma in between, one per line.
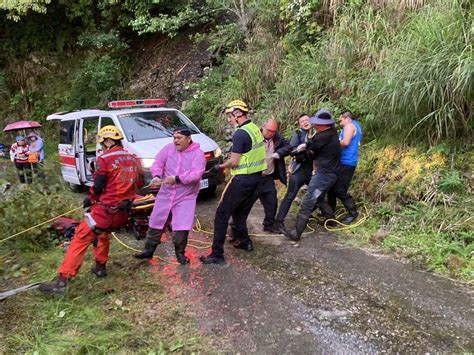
x=317, y=296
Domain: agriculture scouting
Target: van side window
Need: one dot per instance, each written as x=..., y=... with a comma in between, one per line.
x=66, y=132
x=106, y=121
x=89, y=133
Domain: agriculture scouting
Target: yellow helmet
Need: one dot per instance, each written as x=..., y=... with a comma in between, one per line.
x=111, y=132
x=236, y=104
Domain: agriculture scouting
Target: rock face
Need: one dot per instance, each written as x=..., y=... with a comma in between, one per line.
x=168, y=66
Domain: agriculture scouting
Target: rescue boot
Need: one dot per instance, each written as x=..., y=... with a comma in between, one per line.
x=279, y=226
x=153, y=239
x=351, y=209
x=56, y=287
x=295, y=233
x=180, y=243
x=99, y=270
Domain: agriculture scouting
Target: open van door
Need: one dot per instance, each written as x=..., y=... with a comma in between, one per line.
x=68, y=137
x=87, y=148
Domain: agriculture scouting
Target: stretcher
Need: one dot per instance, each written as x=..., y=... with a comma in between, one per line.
x=139, y=214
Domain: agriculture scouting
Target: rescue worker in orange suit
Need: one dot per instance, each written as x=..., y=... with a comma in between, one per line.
x=117, y=177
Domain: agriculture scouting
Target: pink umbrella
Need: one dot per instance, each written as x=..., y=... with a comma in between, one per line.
x=16, y=126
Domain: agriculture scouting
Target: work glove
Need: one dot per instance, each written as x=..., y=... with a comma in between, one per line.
x=275, y=156
x=124, y=206
x=86, y=202
x=301, y=147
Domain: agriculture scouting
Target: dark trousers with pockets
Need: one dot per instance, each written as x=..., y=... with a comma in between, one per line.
x=267, y=194
x=319, y=184
x=296, y=181
x=344, y=178
x=236, y=202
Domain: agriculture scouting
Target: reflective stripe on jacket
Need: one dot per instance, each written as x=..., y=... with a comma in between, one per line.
x=254, y=160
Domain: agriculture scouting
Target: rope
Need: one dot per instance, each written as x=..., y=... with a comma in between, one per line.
x=136, y=250
x=346, y=226
x=38, y=225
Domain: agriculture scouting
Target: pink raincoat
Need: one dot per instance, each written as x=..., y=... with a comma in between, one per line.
x=180, y=198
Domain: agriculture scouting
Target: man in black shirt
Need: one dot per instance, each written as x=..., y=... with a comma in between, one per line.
x=325, y=149
x=247, y=161
x=300, y=168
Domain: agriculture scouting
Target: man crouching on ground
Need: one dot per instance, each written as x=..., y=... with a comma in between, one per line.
x=116, y=180
x=178, y=169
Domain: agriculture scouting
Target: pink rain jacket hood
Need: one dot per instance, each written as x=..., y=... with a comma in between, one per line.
x=179, y=199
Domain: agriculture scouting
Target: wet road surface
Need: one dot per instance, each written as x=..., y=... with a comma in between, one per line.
x=317, y=296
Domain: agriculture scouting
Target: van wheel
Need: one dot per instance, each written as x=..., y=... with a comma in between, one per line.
x=75, y=188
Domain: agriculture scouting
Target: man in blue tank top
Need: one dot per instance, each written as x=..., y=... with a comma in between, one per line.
x=349, y=138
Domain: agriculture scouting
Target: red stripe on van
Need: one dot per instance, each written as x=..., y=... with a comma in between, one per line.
x=67, y=160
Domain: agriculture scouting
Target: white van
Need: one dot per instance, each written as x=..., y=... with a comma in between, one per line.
x=147, y=127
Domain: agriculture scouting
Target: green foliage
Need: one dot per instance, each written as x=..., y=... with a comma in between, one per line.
x=452, y=181
x=423, y=204
x=247, y=76
x=96, y=82
x=436, y=237
x=425, y=81
x=17, y=8
x=4, y=90
x=28, y=206
x=108, y=42
x=167, y=23
x=94, y=317
x=300, y=21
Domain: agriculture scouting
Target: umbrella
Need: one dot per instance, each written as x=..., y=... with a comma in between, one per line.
x=16, y=126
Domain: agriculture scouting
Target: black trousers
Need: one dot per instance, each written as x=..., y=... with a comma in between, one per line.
x=296, y=180
x=24, y=172
x=267, y=194
x=236, y=202
x=38, y=169
x=344, y=178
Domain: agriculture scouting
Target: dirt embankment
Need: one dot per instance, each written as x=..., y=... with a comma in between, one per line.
x=166, y=67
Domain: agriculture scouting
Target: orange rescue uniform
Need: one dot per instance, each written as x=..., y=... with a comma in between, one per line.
x=118, y=176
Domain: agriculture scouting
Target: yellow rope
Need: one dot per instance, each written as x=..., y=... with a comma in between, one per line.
x=38, y=225
x=346, y=226
x=199, y=229
x=133, y=249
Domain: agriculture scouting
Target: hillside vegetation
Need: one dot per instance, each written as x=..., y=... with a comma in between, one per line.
x=405, y=68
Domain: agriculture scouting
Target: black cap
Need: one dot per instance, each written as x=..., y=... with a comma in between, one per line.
x=184, y=130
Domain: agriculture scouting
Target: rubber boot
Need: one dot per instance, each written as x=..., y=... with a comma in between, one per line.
x=300, y=226
x=57, y=287
x=180, y=242
x=99, y=270
x=326, y=210
x=351, y=209
x=153, y=239
x=280, y=226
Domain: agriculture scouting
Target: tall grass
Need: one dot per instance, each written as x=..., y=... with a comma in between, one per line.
x=426, y=79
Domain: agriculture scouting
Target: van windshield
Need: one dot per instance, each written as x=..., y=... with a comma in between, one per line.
x=142, y=126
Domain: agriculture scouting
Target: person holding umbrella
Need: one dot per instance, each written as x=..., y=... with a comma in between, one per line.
x=19, y=155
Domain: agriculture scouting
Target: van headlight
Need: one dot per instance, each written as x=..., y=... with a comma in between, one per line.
x=217, y=152
x=147, y=162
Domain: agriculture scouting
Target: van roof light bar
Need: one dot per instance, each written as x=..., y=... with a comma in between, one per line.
x=137, y=103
